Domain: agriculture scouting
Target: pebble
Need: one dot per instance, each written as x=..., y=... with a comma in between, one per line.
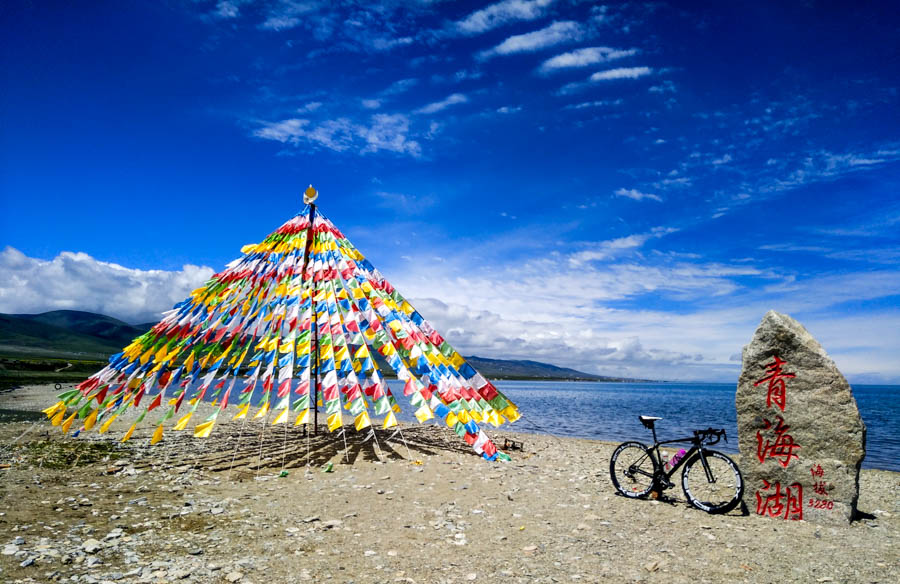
x=91, y=546
x=9, y=549
x=18, y=540
x=27, y=562
x=233, y=576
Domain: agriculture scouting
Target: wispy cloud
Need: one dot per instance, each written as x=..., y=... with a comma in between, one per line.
x=621, y=73
x=554, y=34
x=584, y=57
x=400, y=86
x=501, y=13
x=605, y=250
x=226, y=9
x=637, y=195
x=383, y=132
x=287, y=14
x=608, y=75
x=595, y=103
x=437, y=106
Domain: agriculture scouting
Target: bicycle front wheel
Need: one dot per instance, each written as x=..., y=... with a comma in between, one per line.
x=717, y=486
x=632, y=469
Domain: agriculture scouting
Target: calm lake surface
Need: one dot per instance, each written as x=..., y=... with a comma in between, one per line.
x=609, y=411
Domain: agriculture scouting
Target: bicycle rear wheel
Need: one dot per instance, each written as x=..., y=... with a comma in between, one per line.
x=720, y=490
x=632, y=469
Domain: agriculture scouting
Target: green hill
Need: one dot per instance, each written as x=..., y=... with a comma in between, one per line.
x=76, y=335
x=65, y=334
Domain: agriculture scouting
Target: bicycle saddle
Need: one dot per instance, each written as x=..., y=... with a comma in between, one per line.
x=647, y=421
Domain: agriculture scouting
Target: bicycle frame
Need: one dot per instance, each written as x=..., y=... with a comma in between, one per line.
x=696, y=446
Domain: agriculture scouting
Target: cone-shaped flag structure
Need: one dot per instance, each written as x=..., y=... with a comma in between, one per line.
x=296, y=321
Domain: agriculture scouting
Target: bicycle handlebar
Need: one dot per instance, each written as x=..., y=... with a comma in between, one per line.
x=710, y=435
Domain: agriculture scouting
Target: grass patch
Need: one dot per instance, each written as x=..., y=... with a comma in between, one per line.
x=69, y=453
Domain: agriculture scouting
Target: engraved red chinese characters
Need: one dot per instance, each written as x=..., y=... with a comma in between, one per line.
x=782, y=448
x=785, y=502
x=775, y=376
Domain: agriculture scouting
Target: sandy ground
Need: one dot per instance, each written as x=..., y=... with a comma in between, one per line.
x=217, y=510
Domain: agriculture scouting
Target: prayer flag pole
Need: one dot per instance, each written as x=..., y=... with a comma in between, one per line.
x=309, y=197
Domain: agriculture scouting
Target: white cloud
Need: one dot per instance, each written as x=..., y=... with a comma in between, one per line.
x=371, y=103
x=309, y=107
x=585, y=309
x=509, y=110
x=443, y=104
x=386, y=44
x=584, y=57
x=384, y=132
x=665, y=87
x=554, y=34
x=637, y=195
x=287, y=14
x=226, y=9
x=595, y=103
x=501, y=13
x=389, y=132
x=621, y=73
x=77, y=281
x=400, y=86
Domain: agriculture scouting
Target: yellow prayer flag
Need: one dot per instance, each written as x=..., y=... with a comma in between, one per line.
x=51, y=411
x=451, y=419
x=58, y=417
x=242, y=412
x=424, y=413
x=463, y=416
x=302, y=418
x=281, y=418
x=91, y=420
x=157, y=435
x=129, y=432
x=203, y=430
x=511, y=412
x=362, y=421
x=182, y=422
x=390, y=420
x=335, y=422
x=105, y=425
x=68, y=423
x=262, y=411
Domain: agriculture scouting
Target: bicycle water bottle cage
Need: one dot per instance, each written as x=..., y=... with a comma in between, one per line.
x=647, y=421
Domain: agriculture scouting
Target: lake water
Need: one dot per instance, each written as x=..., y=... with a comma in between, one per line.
x=609, y=411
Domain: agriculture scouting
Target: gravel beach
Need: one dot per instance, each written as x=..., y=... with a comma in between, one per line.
x=247, y=506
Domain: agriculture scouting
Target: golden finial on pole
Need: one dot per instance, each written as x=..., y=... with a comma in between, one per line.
x=309, y=195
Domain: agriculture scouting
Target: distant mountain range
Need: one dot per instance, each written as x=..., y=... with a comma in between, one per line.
x=73, y=334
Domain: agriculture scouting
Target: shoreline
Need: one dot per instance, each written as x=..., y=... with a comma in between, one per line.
x=218, y=510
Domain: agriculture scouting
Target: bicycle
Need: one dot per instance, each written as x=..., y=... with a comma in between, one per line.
x=711, y=481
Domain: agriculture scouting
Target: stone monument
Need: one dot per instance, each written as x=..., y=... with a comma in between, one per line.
x=801, y=437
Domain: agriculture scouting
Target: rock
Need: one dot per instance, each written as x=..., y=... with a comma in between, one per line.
x=91, y=546
x=332, y=523
x=115, y=533
x=27, y=562
x=18, y=540
x=9, y=549
x=180, y=574
x=233, y=576
x=801, y=437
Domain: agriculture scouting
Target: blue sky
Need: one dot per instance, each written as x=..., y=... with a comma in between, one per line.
x=621, y=188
